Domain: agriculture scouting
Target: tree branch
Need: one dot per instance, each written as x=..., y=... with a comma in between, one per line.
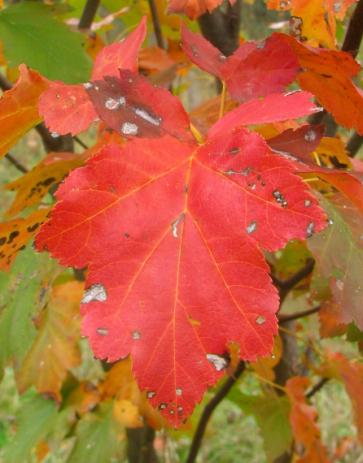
x=354, y=144
x=354, y=34
x=16, y=163
x=316, y=388
x=88, y=14
x=285, y=286
x=156, y=23
x=222, y=29
x=295, y=316
x=209, y=409
x=4, y=83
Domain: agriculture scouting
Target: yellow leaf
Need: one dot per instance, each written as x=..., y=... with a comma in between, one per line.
x=34, y=185
x=15, y=234
x=18, y=107
x=55, y=349
x=121, y=385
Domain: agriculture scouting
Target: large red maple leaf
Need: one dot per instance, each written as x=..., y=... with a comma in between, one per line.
x=172, y=233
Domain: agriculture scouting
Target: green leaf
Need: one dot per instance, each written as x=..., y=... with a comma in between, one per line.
x=99, y=438
x=271, y=413
x=339, y=256
x=23, y=293
x=31, y=35
x=36, y=417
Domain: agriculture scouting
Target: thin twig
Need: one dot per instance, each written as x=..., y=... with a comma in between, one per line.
x=16, y=163
x=209, y=409
x=288, y=284
x=295, y=316
x=316, y=388
x=88, y=14
x=80, y=142
x=156, y=23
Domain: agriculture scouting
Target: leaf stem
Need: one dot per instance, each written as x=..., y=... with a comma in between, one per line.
x=316, y=388
x=295, y=316
x=209, y=409
x=156, y=23
x=16, y=163
x=223, y=100
x=80, y=142
x=88, y=14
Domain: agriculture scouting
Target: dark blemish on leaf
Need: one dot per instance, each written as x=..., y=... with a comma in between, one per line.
x=49, y=181
x=148, y=117
x=175, y=224
x=279, y=198
x=2, y=240
x=310, y=229
x=96, y=292
x=252, y=227
x=180, y=410
x=12, y=236
x=22, y=248
x=310, y=135
x=102, y=331
x=252, y=186
x=235, y=150
x=194, y=50
x=126, y=235
x=136, y=335
x=33, y=227
x=219, y=362
x=129, y=128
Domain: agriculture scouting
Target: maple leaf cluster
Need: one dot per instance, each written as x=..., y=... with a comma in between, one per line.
x=173, y=231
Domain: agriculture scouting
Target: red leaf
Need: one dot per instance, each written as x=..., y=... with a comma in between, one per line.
x=171, y=233
x=120, y=55
x=201, y=52
x=258, y=69
x=120, y=103
x=273, y=108
x=66, y=108
x=298, y=143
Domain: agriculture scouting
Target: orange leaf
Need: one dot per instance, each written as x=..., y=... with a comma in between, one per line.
x=303, y=422
x=330, y=318
x=18, y=107
x=15, y=234
x=55, y=349
x=121, y=385
x=34, y=185
x=352, y=375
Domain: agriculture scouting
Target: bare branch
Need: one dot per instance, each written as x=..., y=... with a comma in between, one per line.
x=88, y=14
x=16, y=163
x=295, y=316
x=156, y=23
x=354, y=144
x=209, y=409
x=316, y=388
